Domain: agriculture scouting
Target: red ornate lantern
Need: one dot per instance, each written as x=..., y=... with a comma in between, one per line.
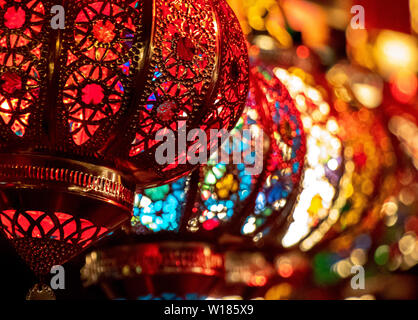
x=80, y=109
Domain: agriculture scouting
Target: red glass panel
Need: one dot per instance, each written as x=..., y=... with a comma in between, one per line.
x=104, y=31
x=11, y=82
x=14, y=18
x=88, y=107
x=58, y=226
x=92, y=94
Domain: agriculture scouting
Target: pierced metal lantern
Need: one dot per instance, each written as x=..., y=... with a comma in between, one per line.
x=222, y=204
x=80, y=108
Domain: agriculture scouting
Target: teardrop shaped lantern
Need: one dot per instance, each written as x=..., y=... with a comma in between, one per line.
x=224, y=204
x=81, y=109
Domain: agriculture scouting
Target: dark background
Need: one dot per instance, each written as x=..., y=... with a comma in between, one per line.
x=17, y=278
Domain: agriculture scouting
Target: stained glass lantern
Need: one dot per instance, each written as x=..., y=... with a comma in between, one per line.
x=229, y=198
x=225, y=204
x=369, y=163
x=81, y=109
x=324, y=161
x=370, y=206
x=351, y=158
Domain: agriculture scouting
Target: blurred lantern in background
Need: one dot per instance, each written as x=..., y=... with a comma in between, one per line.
x=223, y=203
x=292, y=270
x=245, y=274
x=395, y=246
x=389, y=48
x=385, y=14
x=262, y=274
x=386, y=250
x=324, y=167
x=271, y=23
x=348, y=175
x=347, y=237
x=287, y=32
x=80, y=109
x=400, y=217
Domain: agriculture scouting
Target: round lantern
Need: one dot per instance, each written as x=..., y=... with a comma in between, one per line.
x=348, y=155
x=324, y=161
x=224, y=204
x=81, y=110
x=366, y=181
x=369, y=164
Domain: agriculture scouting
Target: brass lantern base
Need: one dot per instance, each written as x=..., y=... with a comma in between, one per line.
x=154, y=269
x=51, y=209
x=40, y=292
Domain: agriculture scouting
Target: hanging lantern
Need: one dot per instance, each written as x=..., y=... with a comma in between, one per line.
x=345, y=161
x=384, y=241
x=344, y=235
x=223, y=204
x=324, y=160
x=369, y=167
x=81, y=109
